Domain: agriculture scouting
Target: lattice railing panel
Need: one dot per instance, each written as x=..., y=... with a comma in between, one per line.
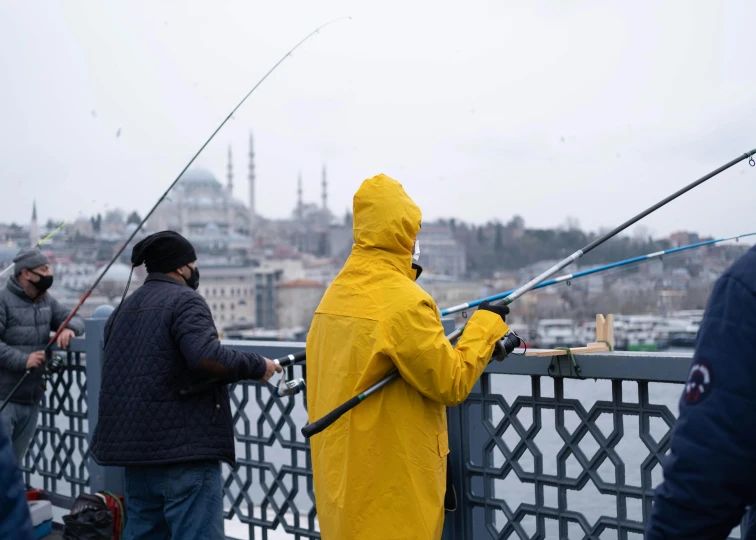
x=563, y=458
x=271, y=485
x=58, y=455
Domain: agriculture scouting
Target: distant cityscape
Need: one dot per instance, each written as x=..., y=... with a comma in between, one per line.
x=263, y=278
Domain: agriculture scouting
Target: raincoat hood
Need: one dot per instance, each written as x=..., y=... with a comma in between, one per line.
x=386, y=222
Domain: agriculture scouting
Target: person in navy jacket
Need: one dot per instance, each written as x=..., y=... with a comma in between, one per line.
x=710, y=472
x=160, y=340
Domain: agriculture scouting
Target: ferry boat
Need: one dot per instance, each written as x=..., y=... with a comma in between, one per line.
x=647, y=333
x=552, y=333
x=684, y=327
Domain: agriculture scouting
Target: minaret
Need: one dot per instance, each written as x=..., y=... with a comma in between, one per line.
x=252, y=214
x=230, y=176
x=230, y=194
x=325, y=189
x=299, y=197
x=34, y=227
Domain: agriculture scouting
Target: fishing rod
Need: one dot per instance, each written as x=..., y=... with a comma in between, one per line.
x=322, y=423
x=297, y=386
x=162, y=197
x=595, y=270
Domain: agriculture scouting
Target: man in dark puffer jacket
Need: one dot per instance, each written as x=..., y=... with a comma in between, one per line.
x=28, y=314
x=160, y=340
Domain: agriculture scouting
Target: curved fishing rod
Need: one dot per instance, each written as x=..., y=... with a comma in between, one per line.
x=162, y=197
x=595, y=270
x=322, y=423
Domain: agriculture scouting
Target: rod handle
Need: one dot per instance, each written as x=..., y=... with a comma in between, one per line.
x=319, y=425
x=290, y=359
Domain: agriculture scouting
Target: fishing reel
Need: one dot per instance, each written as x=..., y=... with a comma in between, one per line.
x=54, y=365
x=505, y=346
x=289, y=388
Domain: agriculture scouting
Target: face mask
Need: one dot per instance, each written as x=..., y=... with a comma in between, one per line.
x=44, y=282
x=193, y=280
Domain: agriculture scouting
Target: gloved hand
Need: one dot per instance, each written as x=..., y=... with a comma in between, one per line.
x=501, y=311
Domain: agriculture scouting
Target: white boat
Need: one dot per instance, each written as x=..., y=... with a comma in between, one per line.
x=646, y=333
x=683, y=327
x=555, y=333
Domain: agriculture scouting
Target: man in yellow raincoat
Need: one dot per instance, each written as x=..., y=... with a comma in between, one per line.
x=380, y=470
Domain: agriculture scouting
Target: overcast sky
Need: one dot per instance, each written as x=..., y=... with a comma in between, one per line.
x=482, y=110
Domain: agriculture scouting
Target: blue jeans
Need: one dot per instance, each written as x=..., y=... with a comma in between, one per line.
x=20, y=423
x=180, y=501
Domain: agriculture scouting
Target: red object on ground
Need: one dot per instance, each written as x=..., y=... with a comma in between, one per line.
x=36, y=495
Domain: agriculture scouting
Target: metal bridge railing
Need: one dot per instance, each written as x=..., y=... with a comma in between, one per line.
x=535, y=454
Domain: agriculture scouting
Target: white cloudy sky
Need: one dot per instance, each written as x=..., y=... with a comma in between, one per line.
x=481, y=109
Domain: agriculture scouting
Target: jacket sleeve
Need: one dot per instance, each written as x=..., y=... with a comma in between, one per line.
x=414, y=339
x=15, y=520
x=194, y=332
x=10, y=359
x=710, y=473
x=59, y=314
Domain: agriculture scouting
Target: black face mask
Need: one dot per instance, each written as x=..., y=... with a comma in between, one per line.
x=418, y=270
x=193, y=280
x=44, y=282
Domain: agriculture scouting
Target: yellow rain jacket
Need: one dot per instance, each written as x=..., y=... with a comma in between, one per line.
x=380, y=470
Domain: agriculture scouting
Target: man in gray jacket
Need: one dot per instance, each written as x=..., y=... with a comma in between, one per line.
x=27, y=316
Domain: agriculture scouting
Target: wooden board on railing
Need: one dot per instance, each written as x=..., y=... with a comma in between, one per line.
x=604, y=333
x=590, y=348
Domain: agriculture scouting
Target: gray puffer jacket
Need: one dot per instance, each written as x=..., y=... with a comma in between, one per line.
x=25, y=327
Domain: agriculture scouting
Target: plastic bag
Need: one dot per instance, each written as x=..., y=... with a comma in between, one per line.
x=89, y=519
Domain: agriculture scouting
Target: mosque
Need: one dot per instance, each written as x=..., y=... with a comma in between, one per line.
x=200, y=204
x=206, y=212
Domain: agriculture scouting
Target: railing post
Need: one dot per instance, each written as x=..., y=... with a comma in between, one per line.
x=453, y=521
x=101, y=478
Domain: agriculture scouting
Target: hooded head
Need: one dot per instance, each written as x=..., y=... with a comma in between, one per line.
x=386, y=222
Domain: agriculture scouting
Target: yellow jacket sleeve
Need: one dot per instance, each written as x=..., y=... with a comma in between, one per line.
x=415, y=341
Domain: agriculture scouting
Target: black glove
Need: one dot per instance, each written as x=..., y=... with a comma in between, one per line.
x=501, y=311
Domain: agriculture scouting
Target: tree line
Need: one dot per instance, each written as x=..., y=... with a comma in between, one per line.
x=510, y=246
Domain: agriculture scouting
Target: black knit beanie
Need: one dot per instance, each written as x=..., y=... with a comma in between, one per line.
x=164, y=252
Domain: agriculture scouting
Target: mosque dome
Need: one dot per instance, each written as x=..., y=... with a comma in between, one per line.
x=199, y=177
